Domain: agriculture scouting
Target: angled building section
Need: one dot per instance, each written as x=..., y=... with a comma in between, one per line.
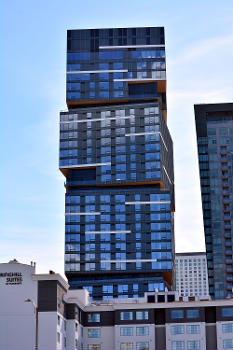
x=214, y=125
x=116, y=153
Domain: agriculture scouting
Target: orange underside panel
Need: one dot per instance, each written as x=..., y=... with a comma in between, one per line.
x=160, y=183
x=161, y=86
x=84, y=103
x=65, y=172
x=167, y=276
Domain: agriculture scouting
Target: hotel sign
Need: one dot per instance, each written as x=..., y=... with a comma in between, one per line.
x=12, y=277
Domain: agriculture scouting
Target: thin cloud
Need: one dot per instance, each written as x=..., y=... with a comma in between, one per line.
x=202, y=48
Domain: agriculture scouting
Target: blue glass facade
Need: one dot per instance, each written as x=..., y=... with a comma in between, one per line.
x=117, y=156
x=214, y=125
x=104, y=65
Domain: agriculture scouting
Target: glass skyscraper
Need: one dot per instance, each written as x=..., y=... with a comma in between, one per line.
x=116, y=153
x=214, y=126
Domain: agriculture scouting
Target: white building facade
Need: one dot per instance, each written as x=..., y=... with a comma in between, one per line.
x=67, y=320
x=192, y=274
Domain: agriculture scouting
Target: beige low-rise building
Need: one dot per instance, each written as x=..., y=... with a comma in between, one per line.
x=38, y=311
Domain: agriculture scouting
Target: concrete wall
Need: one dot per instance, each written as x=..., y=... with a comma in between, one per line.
x=17, y=318
x=135, y=338
x=48, y=329
x=186, y=336
x=106, y=339
x=222, y=336
x=74, y=334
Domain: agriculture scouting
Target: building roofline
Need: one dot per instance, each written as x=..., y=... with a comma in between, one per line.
x=204, y=105
x=190, y=253
x=51, y=277
x=107, y=28
x=165, y=305
x=15, y=262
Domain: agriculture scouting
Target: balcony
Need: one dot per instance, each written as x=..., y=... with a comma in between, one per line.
x=228, y=252
x=227, y=217
x=229, y=269
x=229, y=278
x=227, y=226
x=228, y=261
x=226, y=200
x=80, y=183
x=227, y=234
x=225, y=191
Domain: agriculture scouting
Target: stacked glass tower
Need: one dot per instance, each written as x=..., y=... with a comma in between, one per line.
x=214, y=125
x=117, y=156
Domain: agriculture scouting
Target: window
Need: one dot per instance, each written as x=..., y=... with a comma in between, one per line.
x=107, y=288
x=194, y=345
x=58, y=337
x=126, y=346
x=103, y=85
x=118, y=93
x=227, y=344
x=105, y=246
x=193, y=329
x=118, y=75
x=103, y=76
x=120, y=266
x=75, y=56
x=177, y=314
x=126, y=315
x=89, y=266
x=73, y=67
x=227, y=328
x=142, y=346
x=126, y=331
x=105, y=237
x=142, y=315
x=93, y=347
x=93, y=317
x=122, y=288
x=94, y=333
x=118, y=65
x=103, y=66
x=89, y=256
x=90, y=199
x=120, y=246
x=192, y=313
x=110, y=55
x=178, y=345
x=105, y=199
x=179, y=329
x=227, y=312
x=142, y=330
x=105, y=265
x=58, y=320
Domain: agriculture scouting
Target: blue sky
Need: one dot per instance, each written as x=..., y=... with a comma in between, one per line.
x=199, y=50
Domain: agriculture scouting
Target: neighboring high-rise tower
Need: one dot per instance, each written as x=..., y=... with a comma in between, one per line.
x=214, y=125
x=117, y=156
x=191, y=274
